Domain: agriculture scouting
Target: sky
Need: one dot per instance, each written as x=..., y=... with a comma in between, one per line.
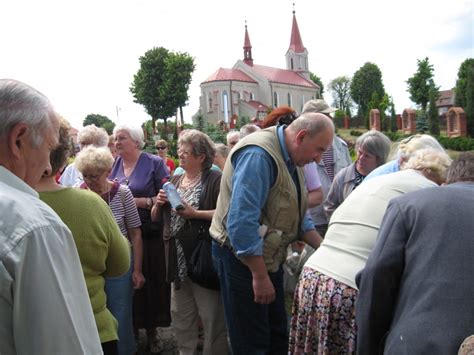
x=83, y=54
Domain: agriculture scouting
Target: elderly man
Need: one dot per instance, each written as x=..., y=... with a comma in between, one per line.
x=260, y=211
x=334, y=159
x=44, y=305
x=416, y=290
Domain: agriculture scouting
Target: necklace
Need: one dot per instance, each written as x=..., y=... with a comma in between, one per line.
x=187, y=183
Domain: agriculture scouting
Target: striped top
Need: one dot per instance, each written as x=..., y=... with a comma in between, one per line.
x=328, y=159
x=124, y=209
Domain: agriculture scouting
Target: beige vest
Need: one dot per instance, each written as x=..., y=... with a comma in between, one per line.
x=281, y=216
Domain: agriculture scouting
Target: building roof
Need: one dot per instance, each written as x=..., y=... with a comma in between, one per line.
x=296, y=44
x=223, y=74
x=257, y=105
x=282, y=76
x=446, y=98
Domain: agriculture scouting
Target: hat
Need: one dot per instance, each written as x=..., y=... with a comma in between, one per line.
x=318, y=105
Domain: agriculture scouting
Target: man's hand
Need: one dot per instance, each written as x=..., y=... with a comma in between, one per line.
x=264, y=292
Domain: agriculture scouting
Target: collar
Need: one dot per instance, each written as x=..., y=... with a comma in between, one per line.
x=284, y=150
x=8, y=178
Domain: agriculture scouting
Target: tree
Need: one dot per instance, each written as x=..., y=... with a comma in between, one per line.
x=462, y=81
x=433, y=114
x=366, y=81
x=179, y=70
x=99, y=121
x=340, y=89
x=465, y=92
x=469, y=108
x=162, y=82
x=317, y=80
x=393, y=117
x=420, y=83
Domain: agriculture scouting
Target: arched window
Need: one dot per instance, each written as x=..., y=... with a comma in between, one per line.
x=289, y=99
x=225, y=101
x=275, y=99
x=291, y=63
x=251, y=96
x=209, y=102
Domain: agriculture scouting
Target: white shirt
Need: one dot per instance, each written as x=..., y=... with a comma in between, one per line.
x=44, y=305
x=71, y=176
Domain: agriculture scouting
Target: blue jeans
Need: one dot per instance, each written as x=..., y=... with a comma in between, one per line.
x=252, y=328
x=119, y=292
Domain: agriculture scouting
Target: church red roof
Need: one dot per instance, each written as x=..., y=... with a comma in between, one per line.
x=282, y=76
x=223, y=74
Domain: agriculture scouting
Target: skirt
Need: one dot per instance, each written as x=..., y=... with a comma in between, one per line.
x=323, y=316
x=151, y=304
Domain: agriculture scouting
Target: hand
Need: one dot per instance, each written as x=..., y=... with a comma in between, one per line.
x=264, y=292
x=161, y=198
x=138, y=280
x=187, y=212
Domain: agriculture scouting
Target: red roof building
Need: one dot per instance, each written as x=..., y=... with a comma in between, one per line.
x=248, y=89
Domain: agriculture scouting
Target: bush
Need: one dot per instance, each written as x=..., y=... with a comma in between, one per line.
x=459, y=143
x=356, y=133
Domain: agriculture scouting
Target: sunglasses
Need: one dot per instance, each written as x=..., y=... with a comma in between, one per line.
x=161, y=148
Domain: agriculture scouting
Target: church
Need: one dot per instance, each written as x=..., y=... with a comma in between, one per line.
x=249, y=90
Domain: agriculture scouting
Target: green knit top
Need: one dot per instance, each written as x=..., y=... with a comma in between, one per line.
x=102, y=248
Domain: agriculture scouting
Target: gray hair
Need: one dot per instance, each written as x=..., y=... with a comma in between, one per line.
x=21, y=103
x=247, y=129
x=313, y=123
x=432, y=162
x=94, y=158
x=93, y=135
x=375, y=143
x=222, y=149
x=135, y=133
x=462, y=168
x=200, y=143
x=231, y=136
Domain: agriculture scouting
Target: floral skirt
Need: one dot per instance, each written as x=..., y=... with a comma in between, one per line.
x=323, y=316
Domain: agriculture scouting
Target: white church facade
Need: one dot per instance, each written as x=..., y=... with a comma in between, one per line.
x=249, y=90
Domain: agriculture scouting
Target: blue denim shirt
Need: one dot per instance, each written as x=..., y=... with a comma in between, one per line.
x=387, y=168
x=255, y=173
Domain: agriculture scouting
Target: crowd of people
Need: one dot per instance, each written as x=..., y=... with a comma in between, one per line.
x=94, y=251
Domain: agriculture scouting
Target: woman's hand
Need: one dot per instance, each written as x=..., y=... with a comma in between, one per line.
x=188, y=212
x=138, y=279
x=161, y=198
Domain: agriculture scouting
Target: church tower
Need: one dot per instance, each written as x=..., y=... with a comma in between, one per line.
x=247, y=48
x=297, y=55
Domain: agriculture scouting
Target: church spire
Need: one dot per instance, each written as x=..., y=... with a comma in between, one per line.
x=247, y=48
x=296, y=44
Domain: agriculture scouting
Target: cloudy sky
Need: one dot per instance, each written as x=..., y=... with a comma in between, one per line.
x=83, y=54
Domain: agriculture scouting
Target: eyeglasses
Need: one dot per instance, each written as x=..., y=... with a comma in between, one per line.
x=161, y=148
x=183, y=153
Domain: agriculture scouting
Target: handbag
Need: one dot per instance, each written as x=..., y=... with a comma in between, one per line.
x=200, y=267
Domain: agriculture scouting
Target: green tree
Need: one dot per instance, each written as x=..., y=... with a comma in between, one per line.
x=200, y=122
x=420, y=83
x=99, y=121
x=340, y=89
x=366, y=81
x=462, y=81
x=420, y=123
x=393, y=117
x=317, y=80
x=465, y=92
x=433, y=114
x=162, y=82
x=469, y=108
x=179, y=70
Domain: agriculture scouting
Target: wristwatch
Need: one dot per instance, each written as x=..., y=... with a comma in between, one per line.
x=149, y=202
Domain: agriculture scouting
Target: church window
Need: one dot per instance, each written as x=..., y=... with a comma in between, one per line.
x=209, y=102
x=291, y=64
x=275, y=99
x=289, y=99
x=251, y=96
x=225, y=101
